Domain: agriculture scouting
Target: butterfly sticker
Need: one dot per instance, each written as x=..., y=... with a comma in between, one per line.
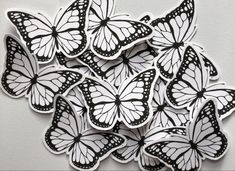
x=68, y=33
x=136, y=139
x=85, y=147
x=22, y=77
x=131, y=103
x=190, y=87
x=111, y=34
x=130, y=62
x=171, y=33
x=163, y=114
x=75, y=98
x=204, y=139
x=72, y=64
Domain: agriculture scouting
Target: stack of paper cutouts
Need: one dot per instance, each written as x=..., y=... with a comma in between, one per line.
x=130, y=89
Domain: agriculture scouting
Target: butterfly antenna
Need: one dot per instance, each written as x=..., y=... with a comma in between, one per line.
x=57, y=16
x=44, y=17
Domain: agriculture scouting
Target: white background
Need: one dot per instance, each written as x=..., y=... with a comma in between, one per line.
x=21, y=129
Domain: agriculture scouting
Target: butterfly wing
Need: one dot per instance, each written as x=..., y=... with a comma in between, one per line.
x=131, y=61
x=50, y=82
x=148, y=163
x=119, y=34
x=65, y=126
x=100, y=10
x=191, y=78
x=206, y=132
x=170, y=34
x=72, y=28
x=175, y=152
x=224, y=96
x=72, y=64
x=131, y=150
x=214, y=73
x=100, y=101
x=36, y=33
x=163, y=114
x=136, y=96
x=75, y=97
x=94, y=147
x=20, y=69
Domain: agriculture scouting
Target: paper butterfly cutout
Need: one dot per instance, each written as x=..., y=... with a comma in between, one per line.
x=170, y=35
x=131, y=103
x=111, y=34
x=73, y=64
x=204, y=139
x=22, y=77
x=190, y=88
x=136, y=139
x=163, y=114
x=75, y=98
x=130, y=62
x=85, y=147
x=67, y=34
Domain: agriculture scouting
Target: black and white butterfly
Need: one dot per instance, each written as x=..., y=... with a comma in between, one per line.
x=67, y=34
x=130, y=62
x=204, y=139
x=131, y=103
x=72, y=64
x=111, y=34
x=171, y=34
x=136, y=139
x=22, y=77
x=190, y=87
x=85, y=147
x=164, y=115
x=75, y=98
